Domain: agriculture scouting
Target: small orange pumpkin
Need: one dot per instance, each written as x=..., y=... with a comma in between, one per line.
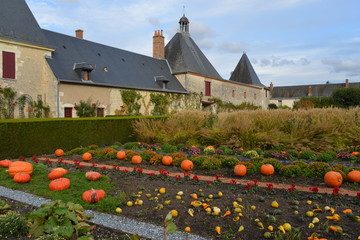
x=5, y=163
x=87, y=156
x=20, y=166
x=267, y=169
x=167, y=160
x=187, y=165
x=93, y=196
x=120, y=155
x=54, y=174
x=355, y=153
x=60, y=169
x=136, y=159
x=92, y=176
x=354, y=176
x=59, y=184
x=333, y=179
x=59, y=152
x=22, y=177
x=240, y=170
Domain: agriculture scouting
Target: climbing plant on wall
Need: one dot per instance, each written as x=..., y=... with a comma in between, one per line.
x=86, y=108
x=161, y=103
x=7, y=102
x=130, y=98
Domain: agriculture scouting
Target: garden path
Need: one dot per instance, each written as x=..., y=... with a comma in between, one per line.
x=328, y=190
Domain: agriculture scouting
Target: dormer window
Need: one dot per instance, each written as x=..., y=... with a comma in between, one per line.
x=162, y=81
x=84, y=69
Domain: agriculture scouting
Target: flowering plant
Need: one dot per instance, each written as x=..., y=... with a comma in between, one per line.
x=209, y=150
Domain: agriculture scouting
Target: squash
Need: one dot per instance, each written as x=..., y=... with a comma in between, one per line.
x=333, y=179
x=22, y=177
x=267, y=169
x=167, y=160
x=56, y=174
x=5, y=163
x=87, y=156
x=20, y=166
x=354, y=176
x=59, y=152
x=92, y=176
x=136, y=159
x=187, y=165
x=60, y=169
x=120, y=155
x=240, y=170
x=59, y=184
x=93, y=196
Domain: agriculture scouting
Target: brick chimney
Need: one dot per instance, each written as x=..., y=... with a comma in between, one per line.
x=271, y=86
x=309, y=91
x=158, y=44
x=346, y=82
x=79, y=33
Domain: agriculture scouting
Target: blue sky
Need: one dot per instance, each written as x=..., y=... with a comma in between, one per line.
x=289, y=42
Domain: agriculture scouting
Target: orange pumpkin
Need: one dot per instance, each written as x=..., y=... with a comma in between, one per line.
x=5, y=163
x=92, y=176
x=87, y=156
x=355, y=153
x=167, y=160
x=93, y=196
x=136, y=159
x=333, y=179
x=240, y=170
x=60, y=169
x=267, y=169
x=22, y=177
x=59, y=152
x=354, y=176
x=59, y=184
x=120, y=155
x=20, y=166
x=54, y=174
x=187, y=165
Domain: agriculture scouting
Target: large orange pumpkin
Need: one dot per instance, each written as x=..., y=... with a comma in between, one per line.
x=59, y=152
x=167, y=160
x=120, y=155
x=240, y=170
x=22, y=177
x=267, y=169
x=54, y=174
x=92, y=176
x=333, y=179
x=93, y=196
x=87, y=156
x=187, y=165
x=5, y=163
x=59, y=184
x=136, y=159
x=20, y=166
x=354, y=176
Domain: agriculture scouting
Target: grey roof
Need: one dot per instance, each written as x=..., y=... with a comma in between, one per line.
x=317, y=90
x=185, y=56
x=245, y=73
x=112, y=66
x=18, y=23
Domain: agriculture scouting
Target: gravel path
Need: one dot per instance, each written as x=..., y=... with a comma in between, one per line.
x=123, y=224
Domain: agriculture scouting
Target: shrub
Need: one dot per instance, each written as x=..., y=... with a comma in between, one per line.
x=107, y=150
x=190, y=150
x=237, y=151
x=293, y=153
x=307, y=155
x=147, y=154
x=251, y=154
x=301, y=164
x=318, y=169
x=276, y=163
x=110, y=155
x=198, y=159
x=290, y=171
x=86, y=108
x=78, y=150
x=342, y=168
x=156, y=159
x=93, y=147
x=95, y=153
x=346, y=97
x=130, y=154
x=325, y=157
x=131, y=145
x=211, y=163
x=12, y=225
x=168, y=148
x=177, y=158
x=229, y=162
x=259, y=151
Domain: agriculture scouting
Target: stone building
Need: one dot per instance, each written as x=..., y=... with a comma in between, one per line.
x=61, y=70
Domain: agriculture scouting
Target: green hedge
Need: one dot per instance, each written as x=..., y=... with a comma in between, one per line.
x=28, y=137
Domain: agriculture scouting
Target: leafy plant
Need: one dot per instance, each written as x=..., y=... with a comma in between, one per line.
x=63, y=219
x=4, y=207
x=130, y=99
x=169, y=225
x=12, y=225
x=86, y=108
x=307, y=155
x=51, y=237
x=160, y=102
x=290, y=171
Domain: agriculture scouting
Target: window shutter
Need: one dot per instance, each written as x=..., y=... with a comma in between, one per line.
x=8, y=65
x=207, y=88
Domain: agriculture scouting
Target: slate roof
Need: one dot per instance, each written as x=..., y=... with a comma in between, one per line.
x=185, y=56
x=18, y=23
x=317, y=90
x=112, y=66
x=245, y=73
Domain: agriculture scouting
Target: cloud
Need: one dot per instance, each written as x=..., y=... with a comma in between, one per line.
x=275, y=61
x=68, y=1
x=154, y=21
x=349, y=67
x=232, y=47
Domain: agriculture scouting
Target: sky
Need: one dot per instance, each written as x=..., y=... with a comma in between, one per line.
x=289, y=42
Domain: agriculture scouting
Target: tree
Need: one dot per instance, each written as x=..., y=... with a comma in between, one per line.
x=346, y=97
x=86, y=108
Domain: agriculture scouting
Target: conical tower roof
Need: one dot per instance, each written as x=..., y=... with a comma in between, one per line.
x=245, y=73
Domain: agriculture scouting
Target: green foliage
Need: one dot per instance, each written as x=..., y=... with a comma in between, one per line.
x=293, y=153
x=290, y=171
x=131, y=145
x=7, y=102
x=198, y=159
x=39, y=109
x=156, y=159
x=12, y=225
x=272, y=106
x=229, y=162
x=77, y=150
x=51, y=237
x=229, y=106
x=211, y=163
x=325, y=157
x=130, y=154
x=251, y=154
x=147, y=154
x=111, y=155
x=307, y=155
x=178, y=157
x=303, y=104
x=86, y=108
x=60, y=218
x=168, y=148
x=274, y=162
x=318, y=169
x=346, y=97
x=130, y=98
x=4, y=207
x=160, y=102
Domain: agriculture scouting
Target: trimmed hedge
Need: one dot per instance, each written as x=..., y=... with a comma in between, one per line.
x=28, y=137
